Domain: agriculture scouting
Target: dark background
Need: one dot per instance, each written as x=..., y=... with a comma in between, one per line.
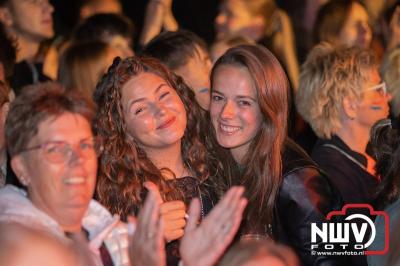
x=195, y=15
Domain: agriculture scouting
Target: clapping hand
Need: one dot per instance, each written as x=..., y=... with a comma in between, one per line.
x=203, y=245
x=147, y=246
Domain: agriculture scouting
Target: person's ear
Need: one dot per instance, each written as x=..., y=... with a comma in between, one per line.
x=350, y=107
x=6, y=17
x=20, y=170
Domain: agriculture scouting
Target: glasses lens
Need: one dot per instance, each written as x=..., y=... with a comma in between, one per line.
x=90, y=146
x=56, y=151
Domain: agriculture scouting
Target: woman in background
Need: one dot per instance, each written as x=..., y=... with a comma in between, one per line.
x=342, y=95
x=82, y=64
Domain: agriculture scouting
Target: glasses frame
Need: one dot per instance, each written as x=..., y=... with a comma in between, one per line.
x=97, y=148
x=377, y=87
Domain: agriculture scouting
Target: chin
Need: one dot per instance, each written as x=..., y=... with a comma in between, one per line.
x=227, y=143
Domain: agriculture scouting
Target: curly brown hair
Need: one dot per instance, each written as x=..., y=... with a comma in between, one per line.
x=124, y=166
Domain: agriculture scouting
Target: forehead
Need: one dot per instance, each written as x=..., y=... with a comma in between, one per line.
x=144, y=83
x=373, y=76
x=108, y=6
x=358, y=12
x=234, y=6
x=15, y=3
x=65, y=127
x=234, y=80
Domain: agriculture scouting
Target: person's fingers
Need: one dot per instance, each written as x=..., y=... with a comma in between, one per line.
x=174, y=225
x=159, y=234
x=237, y=217
x=173, y=215
x=146, y=214
x=152, y=187
x=234, y=212
x=233, y=205
x=194, y=215
x=227, y=205
x=132, y=223
x=172, y=235
x=172, y=205
x=219, y=222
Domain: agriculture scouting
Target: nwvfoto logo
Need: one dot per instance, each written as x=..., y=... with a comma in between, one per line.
x=356, y=232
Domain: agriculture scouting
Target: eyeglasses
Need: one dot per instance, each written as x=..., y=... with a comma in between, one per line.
x=380, y=88
x=61, y=151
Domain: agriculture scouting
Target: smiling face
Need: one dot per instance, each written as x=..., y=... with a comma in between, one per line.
x=234, y=109
x=62, y=190
x=154, y=114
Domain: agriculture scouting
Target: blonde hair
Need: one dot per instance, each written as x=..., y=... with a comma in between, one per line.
x=391, y=75
x=327, y=77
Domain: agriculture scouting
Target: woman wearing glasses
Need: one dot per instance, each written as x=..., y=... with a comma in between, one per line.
x=342, y=95
x=54, y=155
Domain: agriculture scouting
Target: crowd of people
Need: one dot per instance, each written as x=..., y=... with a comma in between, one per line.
x=168, y=150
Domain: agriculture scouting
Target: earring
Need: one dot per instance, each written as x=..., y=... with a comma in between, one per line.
x=23, y=181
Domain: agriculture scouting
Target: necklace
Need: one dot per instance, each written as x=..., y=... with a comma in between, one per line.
x=348, y=156
x=201, y=203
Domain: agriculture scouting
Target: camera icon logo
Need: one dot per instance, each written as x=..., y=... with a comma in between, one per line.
x=349, y=231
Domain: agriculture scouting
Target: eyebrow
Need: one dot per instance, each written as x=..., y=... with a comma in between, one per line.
x=238, y=96
x=142, y=99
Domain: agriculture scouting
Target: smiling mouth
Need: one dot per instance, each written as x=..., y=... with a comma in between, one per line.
x=167, y=123
x=74, y=180
x=225, y=129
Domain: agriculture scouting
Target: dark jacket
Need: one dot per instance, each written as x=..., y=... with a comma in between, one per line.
x=306, y=196
x=355, y=184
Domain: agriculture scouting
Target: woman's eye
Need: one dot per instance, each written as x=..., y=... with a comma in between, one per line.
x=216, y=98
x=164, y=95
x=139, y=110
x=244, y=103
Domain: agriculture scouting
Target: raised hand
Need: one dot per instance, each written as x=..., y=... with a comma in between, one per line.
x=204, y=244
x=147, y=246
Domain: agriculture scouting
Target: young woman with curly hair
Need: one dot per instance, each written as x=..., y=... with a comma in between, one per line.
x=150, y=124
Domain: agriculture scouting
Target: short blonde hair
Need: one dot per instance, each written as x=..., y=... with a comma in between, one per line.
x=327, y=77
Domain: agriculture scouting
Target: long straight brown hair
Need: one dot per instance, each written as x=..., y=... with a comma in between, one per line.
x=262, y=173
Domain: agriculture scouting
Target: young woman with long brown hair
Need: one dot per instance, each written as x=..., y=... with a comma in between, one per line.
x=285, y=189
